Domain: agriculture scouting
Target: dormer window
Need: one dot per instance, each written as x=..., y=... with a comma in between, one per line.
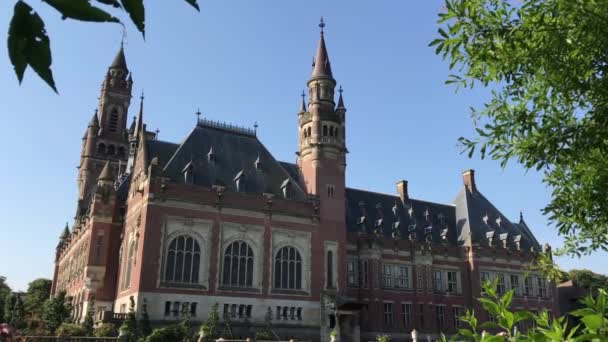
x=444, y=235
x=239, y=181
x=517, y=242
x=211, y=155
x=490, y=237
x=286, y=188
x=188, y=172
x=258, y=163
x=503, y=239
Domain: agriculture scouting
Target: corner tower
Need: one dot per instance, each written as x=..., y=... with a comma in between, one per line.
x=106, y=138
x=322, y=143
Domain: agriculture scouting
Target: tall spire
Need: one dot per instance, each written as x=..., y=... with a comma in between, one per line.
x=120, y=62
x=340, y=99
x=106, y=173
x=94, y=120
x=303, y=105
x=321, y=64
x=140, y=115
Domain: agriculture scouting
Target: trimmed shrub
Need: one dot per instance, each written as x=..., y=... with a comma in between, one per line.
x=70, y=330
x=106, y=330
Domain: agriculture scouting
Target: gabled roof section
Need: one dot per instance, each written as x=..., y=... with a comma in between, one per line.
x=372, y=212
x=476, y=216
x=234, y=151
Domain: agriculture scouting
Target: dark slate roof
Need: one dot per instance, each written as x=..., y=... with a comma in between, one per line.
x=163, y=150
x=476, y=217
x=372, y=212
x=292, y=169
x=234, y=152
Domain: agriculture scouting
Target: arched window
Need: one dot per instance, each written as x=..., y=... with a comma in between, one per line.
x=183, y=260
x=111, y=150
x=324, y=130
x=126, y=281
x=330, y=269
x=238, y=265
x=331, y=131
x=288, y=269
x=309, y=131
x=101, y=148
x=113, y=122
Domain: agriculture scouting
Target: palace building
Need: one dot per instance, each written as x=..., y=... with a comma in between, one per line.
x=216, y=219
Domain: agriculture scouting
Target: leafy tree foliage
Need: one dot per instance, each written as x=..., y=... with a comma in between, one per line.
x=106, y=330
x=38, y=292
x=18, y=319
x=594, y=318
x=9, y=307
x=211, y=327
x=172, y=333
x=129, y=326
x=30, y=45
x=546, y=63
x=5, y=291
x=89, y=323
x=70, y=330
x=56, y=311
x=587, y=278
x=144, y=322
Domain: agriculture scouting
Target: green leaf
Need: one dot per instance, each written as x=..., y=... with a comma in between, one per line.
x=506, y=298
x=137, y=12
x=113, y=3
x=81, y=10
x=194, y=4
x=592, y=322
x=28, y=44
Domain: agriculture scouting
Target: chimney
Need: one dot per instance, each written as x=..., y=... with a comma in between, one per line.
x=402, y=190
x=468, y=178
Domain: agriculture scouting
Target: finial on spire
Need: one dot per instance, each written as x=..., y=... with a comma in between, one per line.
x=255, y=128
x=341, y=99
x=303, y=104
x=142, y=95
x=198, y=116
x=322, y=25
x=340, y=90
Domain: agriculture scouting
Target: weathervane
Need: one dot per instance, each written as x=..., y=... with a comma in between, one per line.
x=322, y=24
x=340, y=90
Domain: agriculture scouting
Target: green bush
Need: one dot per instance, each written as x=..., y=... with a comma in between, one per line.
x=383, y=338
x=172, y=333
x=70, y=330
x=264, y=335
x=106, y=330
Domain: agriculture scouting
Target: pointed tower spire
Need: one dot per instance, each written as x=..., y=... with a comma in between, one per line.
x=303, y=104
x=140, y=116
x=66, y=232
x=94, y=120
x=120, y=62
x=340, y=99
x=106, y=173
x=321, y=65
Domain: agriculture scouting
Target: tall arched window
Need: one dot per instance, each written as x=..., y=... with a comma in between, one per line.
x=126, y=281
x=113, y=123
x=101, y=148
x=111, y=150
x=238, y=265
x=288, y=269
x=309, y=131
x=330, y=269
x=183, y=260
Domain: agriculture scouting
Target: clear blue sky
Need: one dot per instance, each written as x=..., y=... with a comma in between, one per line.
x=241, y=62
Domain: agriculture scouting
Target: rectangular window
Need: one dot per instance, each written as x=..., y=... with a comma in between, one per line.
x=365, y=274
x=500, y=285
x=233, y=310
x=542, y=287
x=484, y=277
x=241, y=310
x=440, y=316
x=249, y=308
x=387, y=276
x=123, y=308
x=527, y=286
x=351, y=273
x=176, y=308
x=420, y=276
x=515, y=284
x=406, y=312
x=278, y=312
x=452, y=282
x=403, y=280
x=388, y=314
x=167, y=308
x=299, y=314
x=193, y=309
x=437, y=281
x=457, y=312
